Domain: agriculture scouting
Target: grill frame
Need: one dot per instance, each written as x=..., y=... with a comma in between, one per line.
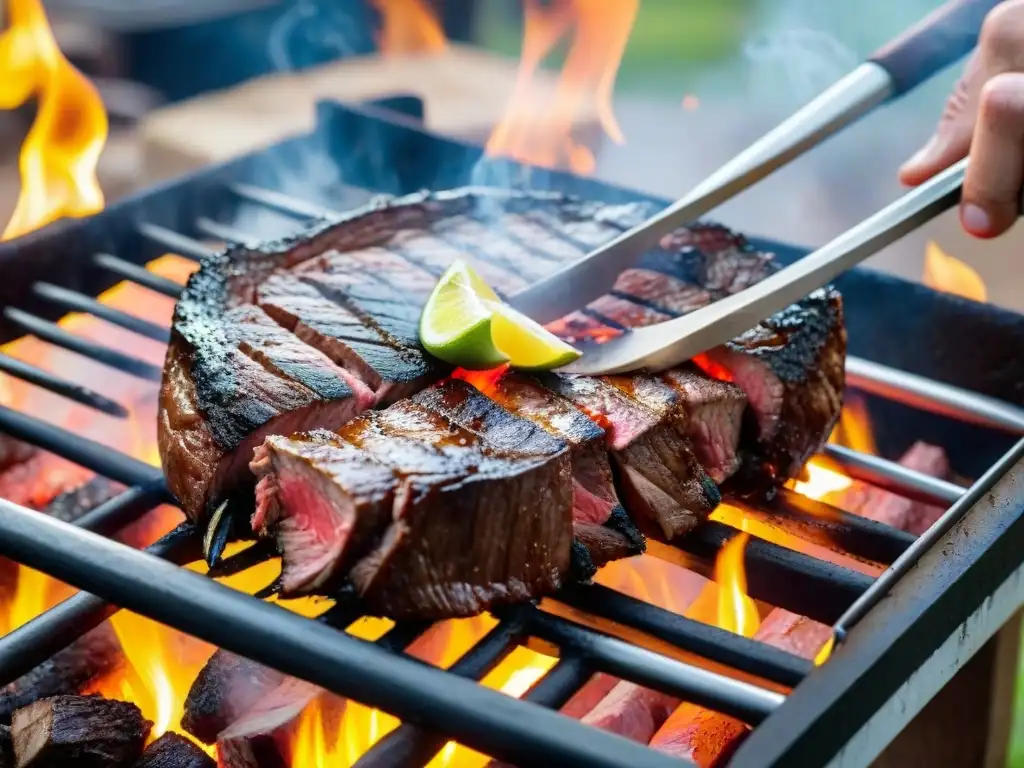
x=137, y=229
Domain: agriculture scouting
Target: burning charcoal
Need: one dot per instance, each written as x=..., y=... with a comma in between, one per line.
x=174, y=751
x=91, y=657
x=71, y=506
x=226, y=688
x=80, y=731
x=6, y=747
x=14, y=451
x=264, y=735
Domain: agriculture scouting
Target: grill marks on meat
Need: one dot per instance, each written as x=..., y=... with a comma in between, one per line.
x=463, y=518
x=658, y=473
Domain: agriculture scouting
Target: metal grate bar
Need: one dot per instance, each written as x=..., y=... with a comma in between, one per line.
x=410, y=746
x=225, y=232
x=125, y=508
x=282, y=203
x=933, y=396
x=652, y=670
x=822, y=523
x=560, y=682
x=79, y=302
x=28, y=646
x=894, y=477
x=53, y=333
x=740, y=653
x=138, y=274
x=485, y=720
x=101, y=459
x=782, y=577
x=182, y=245
x=40, y=378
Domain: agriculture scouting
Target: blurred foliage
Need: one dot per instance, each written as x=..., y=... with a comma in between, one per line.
x=670, y=38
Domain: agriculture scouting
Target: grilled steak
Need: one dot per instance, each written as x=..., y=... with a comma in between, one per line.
x=310, y=337
x=461, y=518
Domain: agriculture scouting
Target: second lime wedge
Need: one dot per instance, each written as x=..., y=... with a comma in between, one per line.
x=465, y=324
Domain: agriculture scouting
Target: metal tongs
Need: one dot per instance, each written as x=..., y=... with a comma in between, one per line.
x=936, y=42
x=664, y=345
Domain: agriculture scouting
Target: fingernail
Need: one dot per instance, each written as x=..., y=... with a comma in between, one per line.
x=975, y=219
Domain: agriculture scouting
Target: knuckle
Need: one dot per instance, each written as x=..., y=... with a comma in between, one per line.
x=1003, y=29
x=1002, y=99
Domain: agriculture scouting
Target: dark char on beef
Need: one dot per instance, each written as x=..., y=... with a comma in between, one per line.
x=284, y=355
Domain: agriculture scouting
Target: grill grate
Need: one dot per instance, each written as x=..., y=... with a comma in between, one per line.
x=485, y=720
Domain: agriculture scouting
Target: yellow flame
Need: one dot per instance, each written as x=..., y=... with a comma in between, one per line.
x=59, y=157
x=409, y=26
x=736, y=611
x=820, y=481
x=541, y=133
x=948, y=274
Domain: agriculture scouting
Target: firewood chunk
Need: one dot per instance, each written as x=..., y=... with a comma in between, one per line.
x=79, y=731
x=173, y=750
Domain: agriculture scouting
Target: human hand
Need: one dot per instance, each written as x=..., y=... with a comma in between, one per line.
x=984, y=118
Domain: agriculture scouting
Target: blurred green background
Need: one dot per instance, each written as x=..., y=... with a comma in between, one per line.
x=677, y=42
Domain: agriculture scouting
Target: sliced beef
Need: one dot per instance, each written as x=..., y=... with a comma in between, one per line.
x=324, y=501
x=791, y=366
x=524, y=418
x=645, y=430
x=472, y=526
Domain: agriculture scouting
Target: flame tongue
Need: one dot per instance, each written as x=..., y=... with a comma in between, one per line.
x=948, y=274
x=736, y=611
x=542, y=134
x=59, y=157
x=409, y=26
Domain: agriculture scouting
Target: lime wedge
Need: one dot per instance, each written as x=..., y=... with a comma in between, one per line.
x=527, y=344
x=465, y=324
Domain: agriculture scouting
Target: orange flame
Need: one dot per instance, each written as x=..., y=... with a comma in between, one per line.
x=736, y=611
x=541, y=134
x=59, y=157
x=484, y=381
x=948, y=274
x=409, y=26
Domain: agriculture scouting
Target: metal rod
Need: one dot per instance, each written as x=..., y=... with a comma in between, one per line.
x=127, y=507
x=894, y=477
x=408, y=745
x=651, y=670
x=559, y=683
x=53, y=333
x=782, y=577
x=175, y=242
x=884, y=583
x=224, y=232
x=933, y=396
x=485, y=720
x=79, y=302
x=25, y=648
x=138, y=274
x=821, y=523
x=280, y=202
x=101, y=459
x=716, y=644
x=58, y=386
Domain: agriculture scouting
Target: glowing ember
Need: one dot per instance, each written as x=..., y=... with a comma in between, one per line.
x=59, y=157
x=948, y=274
x=409, y=26
x=483, y=381
x=541, y=133
x=736, y=611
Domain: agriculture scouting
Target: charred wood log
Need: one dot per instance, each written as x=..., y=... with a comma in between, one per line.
x=90, y=658
x=173, y=750
x=80, y=731
x=71, y=506
x=6, y=747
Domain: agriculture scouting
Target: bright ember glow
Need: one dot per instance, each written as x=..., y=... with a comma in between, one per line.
x=948, y=274
x=409, y=26
x=736, y=611
x=483, y=381
x=59, y=156
x=538, y=129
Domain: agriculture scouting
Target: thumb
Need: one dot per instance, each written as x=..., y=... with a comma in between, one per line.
x=952, y=139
